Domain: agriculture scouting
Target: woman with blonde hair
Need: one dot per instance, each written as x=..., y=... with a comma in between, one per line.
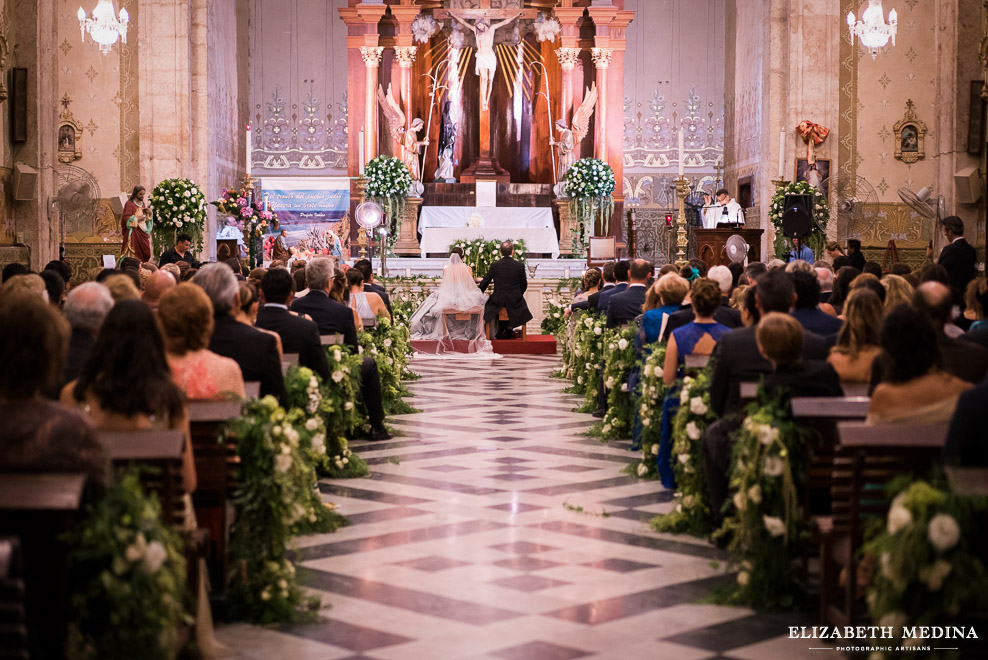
x=858, y=339
x=898, y=290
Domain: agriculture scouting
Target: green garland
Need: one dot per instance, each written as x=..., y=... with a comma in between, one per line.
x=619, y=359
x=821, y=216
x=589, y=183
x=928, y=570
x=480, y=253
x=553, y=319
x=692, y=514
x=388, y=343
x=590, y=337
x=765, y=526
x=275, y=499
x=651, y=393
x=127, y=576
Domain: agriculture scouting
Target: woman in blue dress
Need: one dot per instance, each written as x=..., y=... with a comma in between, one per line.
x=698, y=337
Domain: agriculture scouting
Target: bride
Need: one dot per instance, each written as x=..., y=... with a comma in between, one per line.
x=462, y=304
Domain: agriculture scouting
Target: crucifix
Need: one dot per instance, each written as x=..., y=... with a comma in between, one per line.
x=479, y=21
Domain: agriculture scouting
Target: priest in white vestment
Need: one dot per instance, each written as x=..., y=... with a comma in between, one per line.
x=725, y=211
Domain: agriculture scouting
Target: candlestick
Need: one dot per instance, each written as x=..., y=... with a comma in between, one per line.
x=682, y=162
x=682, y=190
x=782, y=154
x=248, y=149
x=360, y=152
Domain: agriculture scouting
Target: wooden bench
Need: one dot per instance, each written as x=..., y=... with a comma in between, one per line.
x=253, y=389
x=287, y=360
x=461, y=315
x=856, y=389
x=502, y=315
x=161, y=452
x=830, y=407
x=216, y=459
x=13, y=602
x=698, y=362
x=748, y=391
x=39, y=509
x=968, y=481
x=331, y=340
x=866, y=460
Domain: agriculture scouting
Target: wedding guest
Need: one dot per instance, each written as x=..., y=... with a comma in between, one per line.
x=834, y=250
x=737, y=298
x=621, y=272
x=126, y=384
x=367, y=270
x=173, y=270
x=780, y=341
x=807, y=309
x=737, y=270
x=297, y=335
x=855, y=257
x=333, y=317
x=976, y=304
x=122, y=287
x=368, y=305
x=256, y=352
x=934, y=273
x=916, y=389
x=752, y=272
x=842, y=286
x=590, y=284
x=958, y=257
x=872, y=268
x=593, y=300
x=724, y=314
x=857, y=341
x=624, y=307
x=40, y=435
x=825, y=277
x=966, y=444
x=663, y=298
x=188, y=274
x=300, y=284
x=156, y=286
x=898, y=291
x=55, y=286
x=182, y=251
x=13, y=270
x=840, y=262
x=85, y=308
x=256, y=276
x=186, y=317
x=960, y=358
x=62, y=268
x=29, y=284
x=749, y=308
x=900, y=269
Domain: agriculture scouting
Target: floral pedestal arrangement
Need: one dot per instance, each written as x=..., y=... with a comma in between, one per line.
x=255, y=216
x=589, y=184
x=179, y=207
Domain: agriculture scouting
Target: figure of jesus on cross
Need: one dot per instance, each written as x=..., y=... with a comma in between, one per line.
x=486, y=64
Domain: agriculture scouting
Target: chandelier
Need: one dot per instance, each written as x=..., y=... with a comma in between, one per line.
x=872, y=29
x=104, y=27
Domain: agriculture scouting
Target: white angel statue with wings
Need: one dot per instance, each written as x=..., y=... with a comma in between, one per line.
x=571, y=137
x=405, y=143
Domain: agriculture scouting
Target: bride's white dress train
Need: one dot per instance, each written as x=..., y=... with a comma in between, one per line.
x=453, y=316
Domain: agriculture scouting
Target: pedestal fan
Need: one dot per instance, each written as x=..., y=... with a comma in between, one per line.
x=928, y=207
x=369, y=215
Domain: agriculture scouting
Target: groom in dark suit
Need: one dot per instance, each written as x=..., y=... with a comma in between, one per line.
x=958, y=256
x=510, y=283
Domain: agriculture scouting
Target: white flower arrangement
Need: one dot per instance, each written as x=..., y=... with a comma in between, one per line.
x=475, y=221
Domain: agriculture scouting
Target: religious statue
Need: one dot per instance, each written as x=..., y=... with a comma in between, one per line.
x=486, y=64
x=447, y=144
x=136, y=225
x=404, y=143
x=571, y=137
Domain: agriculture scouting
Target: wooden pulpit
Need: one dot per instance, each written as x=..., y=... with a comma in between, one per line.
x=711, y=245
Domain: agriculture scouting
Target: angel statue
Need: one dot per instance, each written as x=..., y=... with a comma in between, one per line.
x=405, y=144
x=571, y=137
x=486, y=64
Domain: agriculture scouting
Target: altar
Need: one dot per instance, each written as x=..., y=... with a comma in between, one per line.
x=441, y=226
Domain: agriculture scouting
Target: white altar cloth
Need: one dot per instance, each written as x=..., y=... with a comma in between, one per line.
x=442, y=225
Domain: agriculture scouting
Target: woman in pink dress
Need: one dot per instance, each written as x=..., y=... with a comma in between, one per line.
x=186, y=317
x=135, y=223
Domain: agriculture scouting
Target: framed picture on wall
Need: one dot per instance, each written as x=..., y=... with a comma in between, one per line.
x=816, y=174
x=910, y=136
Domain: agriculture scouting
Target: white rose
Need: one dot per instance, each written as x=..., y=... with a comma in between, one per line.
x=624, y=387
x=265, y=595
x=684, y=458
x=609, y=383
x=755, y=494
x=767, y=434
x=647, y=371
x=282, y=583
x=348, y=405
x=697, y=406
x=899, y=519
x=657, y=372
x=773, y=466
x=313, y=383
x=155, y=556
x=642, y=469
x=283, y=463
x=774, y=525
x=684, y=394
x=597, y=331
x=688, y=501
x=934, y=575
x=943, y=532
x=136, y=550
x=276, y=431
x=743, y=578
x=692, y=431
x=622, y=343
x=647, y=421
x=655, y=449
x=337, y=376
x=311, y=424
x=387, y=343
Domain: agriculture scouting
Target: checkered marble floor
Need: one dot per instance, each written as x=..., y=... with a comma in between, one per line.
x=493, y=530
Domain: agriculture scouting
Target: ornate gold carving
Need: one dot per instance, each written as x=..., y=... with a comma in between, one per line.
x=910, y=136
x=568, y=57
x=372, y=55
x=405, y=55
x=602, y=57
x=69, y=134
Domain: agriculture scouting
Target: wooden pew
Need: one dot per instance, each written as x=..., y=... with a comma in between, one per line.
x=867, y=459
x=287, y=360
x=698, y=362
x=831, y=407
x=748, y=392
x=331, y=340
x=161, y=451
x=253, y=389
x=968, y=481
x=856, y=389
x=216, y=459
x=39, y=508
x=13, y=603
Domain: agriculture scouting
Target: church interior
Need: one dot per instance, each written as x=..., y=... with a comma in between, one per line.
x=544, y=487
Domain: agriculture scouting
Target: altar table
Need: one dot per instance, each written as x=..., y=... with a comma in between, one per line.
x=441, y=226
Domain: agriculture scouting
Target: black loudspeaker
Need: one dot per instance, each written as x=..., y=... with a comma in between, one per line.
x=797, y=216
x=18, y=105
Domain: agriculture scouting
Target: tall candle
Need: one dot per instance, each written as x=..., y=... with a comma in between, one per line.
x=360, y=152
x=248, y=150
x=782, y=154
x=682, y=162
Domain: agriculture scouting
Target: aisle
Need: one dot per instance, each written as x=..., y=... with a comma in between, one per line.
x=493, y=529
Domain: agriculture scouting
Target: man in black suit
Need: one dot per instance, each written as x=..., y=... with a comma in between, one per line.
x=510, y=282
x=808, y=311
x=724, y=314
x=966, y=444
x=297, y=335
x=256, y=352
x=607, y=273
x=958, y=257
x=181, y=252
x=85, y=308
x=334, y=317
x=622, y=270
x=625, y=306
x=855, y=257
x=367, y=270
x=736, y=358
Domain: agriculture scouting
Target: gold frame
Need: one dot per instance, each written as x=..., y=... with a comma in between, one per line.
x=67, y=121
x=910, y=121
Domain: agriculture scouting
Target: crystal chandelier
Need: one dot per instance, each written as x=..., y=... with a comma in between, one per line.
x=872, y=29
x=104, y=27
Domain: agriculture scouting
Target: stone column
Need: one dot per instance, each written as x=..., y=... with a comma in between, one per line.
x=568, y=57
x=405, y=55
x=372, y=65
x=601, y=60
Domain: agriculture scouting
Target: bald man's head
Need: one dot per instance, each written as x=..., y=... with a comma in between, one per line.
x=157, y=284
x=935, y=300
